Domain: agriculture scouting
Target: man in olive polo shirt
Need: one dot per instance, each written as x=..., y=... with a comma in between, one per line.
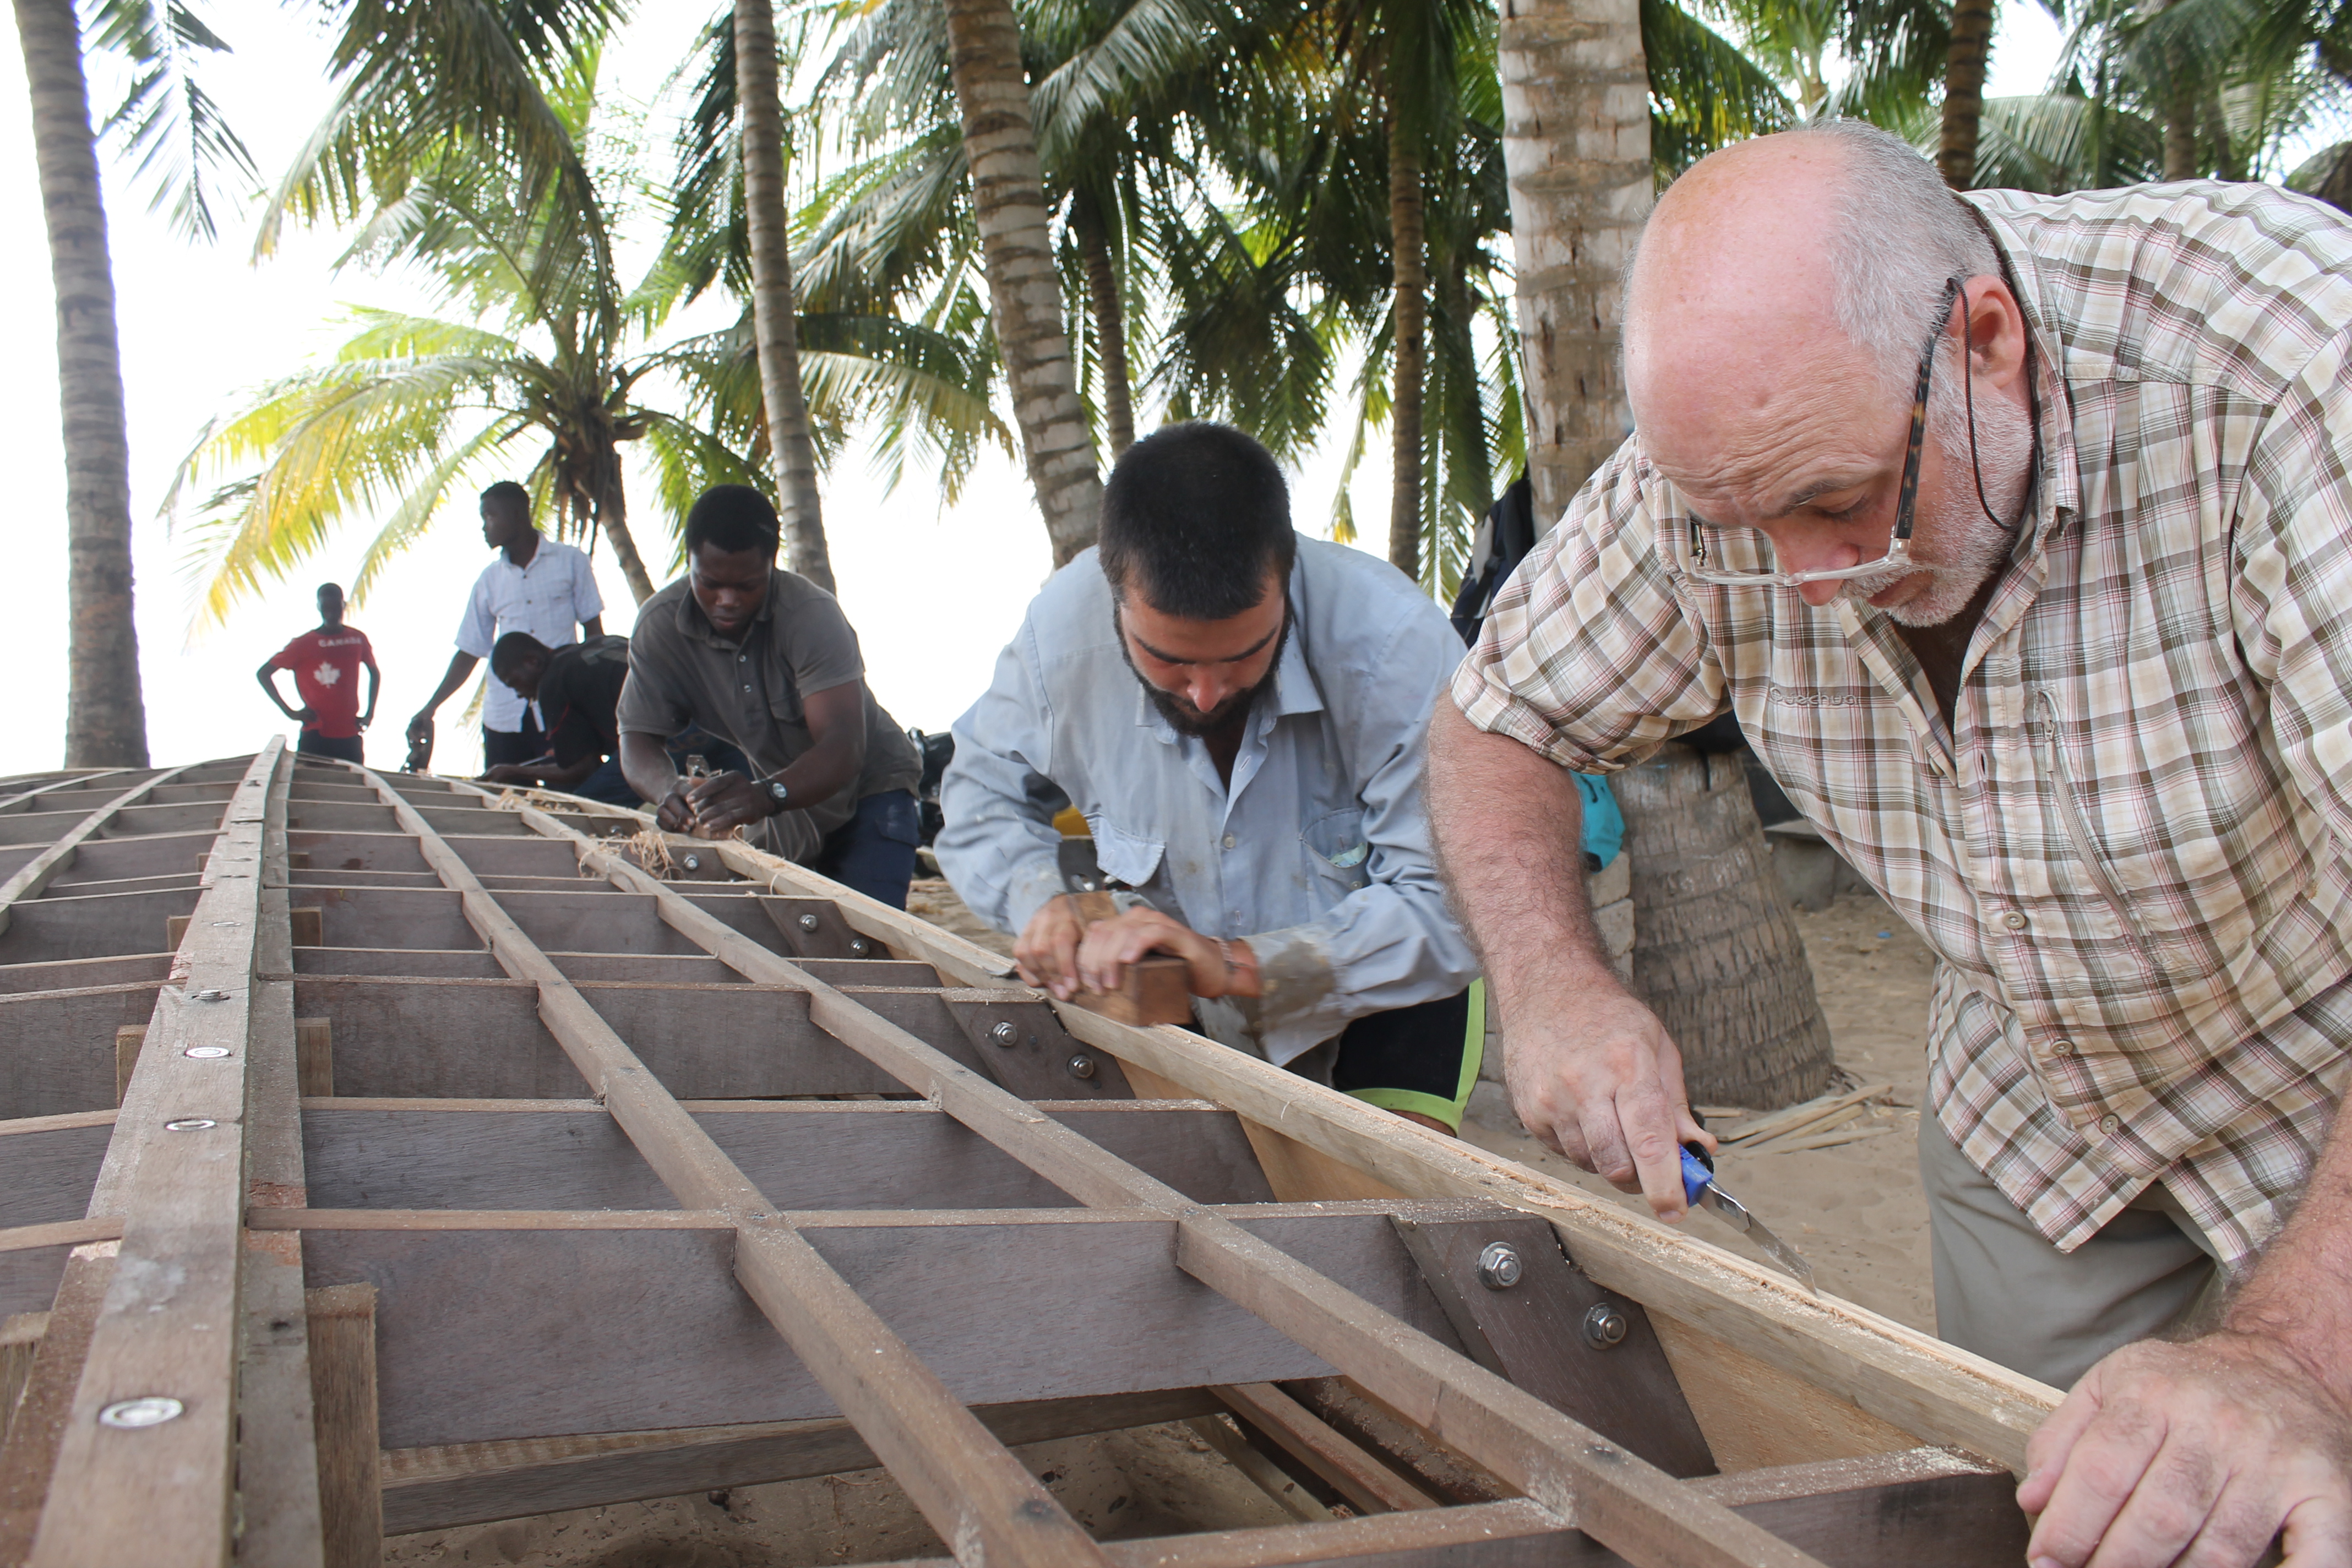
x=766, y=658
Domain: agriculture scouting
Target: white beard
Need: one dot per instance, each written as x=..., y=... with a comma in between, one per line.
x=1954, y=543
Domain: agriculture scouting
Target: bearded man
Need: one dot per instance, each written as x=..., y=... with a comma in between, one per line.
x=1238, y=714
x=2015, y=532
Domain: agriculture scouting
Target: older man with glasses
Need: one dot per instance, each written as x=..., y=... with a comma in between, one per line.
x=2016, y=533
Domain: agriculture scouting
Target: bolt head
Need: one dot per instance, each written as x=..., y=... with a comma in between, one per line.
x=207, y=995
x=190, y=1124
x=808, y=923
x=1005, y=1035
x=1499, y=1267
x=1082, y=1066
x=152, y=1410
x=207, y=1053
x=857, y=947
x=1606, y=1325
x=694, y=862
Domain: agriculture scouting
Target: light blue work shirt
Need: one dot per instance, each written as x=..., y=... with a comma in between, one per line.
x=1318, y=854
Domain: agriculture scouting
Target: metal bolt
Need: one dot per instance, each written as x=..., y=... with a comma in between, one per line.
x=153, y=1410
x=190, y=1124
x=1606, y=1326
x=1499, y=1267
x=1082, y=1066
x=808, y=923
x=207, y=1053
x=694, y=862
x=207, y=995
x=1005, y=1035
x=857, y=947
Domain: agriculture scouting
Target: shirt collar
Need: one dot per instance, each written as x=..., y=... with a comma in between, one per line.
x=2058, y=488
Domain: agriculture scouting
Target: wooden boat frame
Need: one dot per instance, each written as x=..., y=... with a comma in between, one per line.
x=464, y=1168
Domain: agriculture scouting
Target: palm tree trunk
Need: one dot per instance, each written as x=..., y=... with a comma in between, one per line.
x=1471, y=467
x=1964, y=80
x=106, y=717
x=774, y=315
x=1110, y=321
x=1575, y=87
x=2180, y=138
x=1025, y=288
x=2226, y=164
x=1408, y=261
x=610, y=517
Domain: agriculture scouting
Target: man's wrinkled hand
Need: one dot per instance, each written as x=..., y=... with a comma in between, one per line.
x=676, y=812
x=1046, y=955
x=1595, y=1076
x=2194, y=1454
x=1112, y=945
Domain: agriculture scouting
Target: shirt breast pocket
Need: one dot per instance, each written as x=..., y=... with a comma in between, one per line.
x=1338, y=849
x=1129, y=858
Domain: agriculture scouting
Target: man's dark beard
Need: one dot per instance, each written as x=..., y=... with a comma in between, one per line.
x=1182, y=716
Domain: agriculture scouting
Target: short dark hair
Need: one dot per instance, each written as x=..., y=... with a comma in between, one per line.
x=731, y=519
x=508, y=493
x=513, y=647
x=334, y=588
x=1194, y=517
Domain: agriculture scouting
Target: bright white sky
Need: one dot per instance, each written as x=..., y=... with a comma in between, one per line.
x=934, y=591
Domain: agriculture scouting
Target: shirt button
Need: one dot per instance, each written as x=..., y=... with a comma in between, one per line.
x=2014, y=919
x=1231, y=841
x=747, y=689
x=2109, y=1122
x=2062, y=1048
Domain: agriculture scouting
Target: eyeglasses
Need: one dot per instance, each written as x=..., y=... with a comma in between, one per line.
x=1899, y=546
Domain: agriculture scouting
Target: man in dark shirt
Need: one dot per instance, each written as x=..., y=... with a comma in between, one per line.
x=326, y=663
x=578, y=690
x=767, y=659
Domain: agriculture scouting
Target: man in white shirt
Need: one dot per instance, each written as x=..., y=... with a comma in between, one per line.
x=537, y=585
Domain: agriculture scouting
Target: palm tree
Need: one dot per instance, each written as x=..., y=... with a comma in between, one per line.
x=1964, y=80
x=411, y=404
x=768, y=235
x=1008, y=191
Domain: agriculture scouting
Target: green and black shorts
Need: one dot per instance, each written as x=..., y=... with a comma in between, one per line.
x=1422, y=1059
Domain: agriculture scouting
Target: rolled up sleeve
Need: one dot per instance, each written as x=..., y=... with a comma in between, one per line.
x=1591, y=656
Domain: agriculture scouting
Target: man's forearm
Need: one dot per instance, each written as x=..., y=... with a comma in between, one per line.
x=646, y=765
x=1506, y=823
x=461, y=664
x=2299, y=1295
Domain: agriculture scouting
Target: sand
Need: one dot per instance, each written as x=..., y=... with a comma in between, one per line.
x=1855, y=1210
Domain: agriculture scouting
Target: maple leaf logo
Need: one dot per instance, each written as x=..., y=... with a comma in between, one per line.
x=327, y=674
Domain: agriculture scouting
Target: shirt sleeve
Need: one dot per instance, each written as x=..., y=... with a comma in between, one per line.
x=820, y=644
x=651, y=703
x=1391, y=943
x=587, y=603
x=367, y=649
x=478, y=628
x=285, y=657
x=1592, y=655
x=998, y=848
x=2292, y=596
x=571, y=735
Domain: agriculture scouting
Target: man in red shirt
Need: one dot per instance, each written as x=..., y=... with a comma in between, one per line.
x=325, y=665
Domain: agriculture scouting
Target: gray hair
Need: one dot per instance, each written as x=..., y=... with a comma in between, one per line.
x=1901, y=235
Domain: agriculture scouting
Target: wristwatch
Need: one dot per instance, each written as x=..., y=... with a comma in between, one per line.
x=777, y=794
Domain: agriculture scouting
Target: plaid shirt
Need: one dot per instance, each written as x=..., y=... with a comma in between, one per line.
x=2126, y=851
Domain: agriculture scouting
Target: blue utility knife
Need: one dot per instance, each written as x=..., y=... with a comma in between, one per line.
x=1699, y=1187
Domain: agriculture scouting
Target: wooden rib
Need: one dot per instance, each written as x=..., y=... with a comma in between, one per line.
x=1363, y=1480
x=1567, y=1468
x=18, y=801
x=1933, y=1391
x=980, y=1498
x=172, y=1322
x=37, y=873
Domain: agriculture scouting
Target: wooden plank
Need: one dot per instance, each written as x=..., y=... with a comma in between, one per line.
x=494, y=1327
x=30, y=1453
x=1534, y=1331
x=1371, y=1486
x=48, y=1165
x=84, y=974
x=305, y=928
x=171, y=1325
x=314, y=1056
x=473, y=1483
x=79, y=779
x=344, y=1399
x=1845, y=1354
x=968, y=1486
x=20, y=1341
x=568, y=1154
x=1566, y=1467
x=64, y=924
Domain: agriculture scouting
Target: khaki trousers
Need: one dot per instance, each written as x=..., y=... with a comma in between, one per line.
x=2003, y=1291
